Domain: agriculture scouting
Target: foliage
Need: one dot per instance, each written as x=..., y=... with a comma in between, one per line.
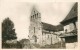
x=8, y=31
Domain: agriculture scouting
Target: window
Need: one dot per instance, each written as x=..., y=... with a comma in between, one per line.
x=35, y=15
x=35, y=39
x=34, y=11
x=31, y=16
x=48, y=36
x=34, y=29
x=56, y=36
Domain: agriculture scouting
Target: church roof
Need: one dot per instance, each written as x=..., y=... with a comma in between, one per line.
x=72, y=14
x=50, y=27
x=59, y=27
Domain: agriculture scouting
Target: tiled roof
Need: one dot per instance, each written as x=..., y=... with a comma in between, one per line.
x=72, y=13
x=52, y=27
x=48, y=27
x=60, y=27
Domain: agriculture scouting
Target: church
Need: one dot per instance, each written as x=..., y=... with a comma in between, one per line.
x=41, y=33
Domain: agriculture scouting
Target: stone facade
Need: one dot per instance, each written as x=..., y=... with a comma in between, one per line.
x=39, y=32
x=49, y=38
x=35, y=29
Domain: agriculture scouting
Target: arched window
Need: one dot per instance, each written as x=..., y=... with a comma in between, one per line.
x=34, y=12
x=37, y=14
x=33, y=16
x=34, y=29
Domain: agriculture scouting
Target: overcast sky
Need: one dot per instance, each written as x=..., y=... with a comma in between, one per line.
x=19, y=13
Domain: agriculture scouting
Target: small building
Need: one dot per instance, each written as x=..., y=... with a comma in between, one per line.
x=70, y=24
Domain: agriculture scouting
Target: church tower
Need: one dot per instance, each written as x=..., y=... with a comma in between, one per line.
x=35, y=28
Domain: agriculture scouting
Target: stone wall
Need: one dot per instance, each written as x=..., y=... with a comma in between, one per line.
x=35, y=28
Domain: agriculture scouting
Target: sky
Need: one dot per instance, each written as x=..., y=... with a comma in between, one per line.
x=19, y=12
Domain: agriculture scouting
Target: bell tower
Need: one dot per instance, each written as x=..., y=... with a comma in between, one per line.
x=35, y=28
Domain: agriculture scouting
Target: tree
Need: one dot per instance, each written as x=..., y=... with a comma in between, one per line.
x=8, y=31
